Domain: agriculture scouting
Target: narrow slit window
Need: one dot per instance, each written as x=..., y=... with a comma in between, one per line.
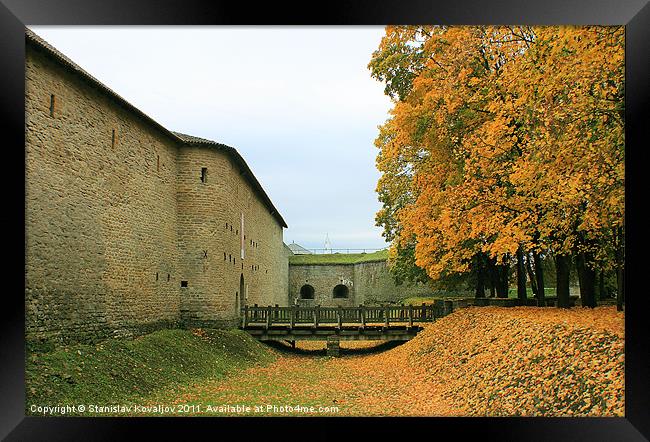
x=204, y=174
x=113, y=139
x=158, y=164
x=156, y=276
x=168, y=276
x=52, y=104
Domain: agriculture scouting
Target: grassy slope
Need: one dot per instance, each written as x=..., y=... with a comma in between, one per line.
x=338, y=258
x=121, y=372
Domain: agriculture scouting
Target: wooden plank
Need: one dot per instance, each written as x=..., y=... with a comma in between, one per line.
x=268, y=316
x=410, y=316
x=339, y=314
x=386, y=312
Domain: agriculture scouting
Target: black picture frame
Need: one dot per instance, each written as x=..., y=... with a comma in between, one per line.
x=15, y=14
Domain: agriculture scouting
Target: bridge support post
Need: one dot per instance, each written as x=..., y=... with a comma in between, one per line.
x=449, y=307
x=362, y=316
x=339, y=317
x=333, y=346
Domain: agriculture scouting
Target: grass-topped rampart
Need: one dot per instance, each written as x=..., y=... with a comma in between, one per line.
x=338, y=258
x=126, y=371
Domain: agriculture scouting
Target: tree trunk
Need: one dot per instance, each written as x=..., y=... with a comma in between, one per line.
x=492, y=276
x=502, y=280
x=601, y=286
x=587, y=279
x=620, y=270
x=620, y=288
x=531, y=276
x=480, y=276
x=562, y=270
x=539, y=273
x=521, y=277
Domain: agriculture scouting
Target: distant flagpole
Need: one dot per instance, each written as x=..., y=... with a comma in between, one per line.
x=328, y=245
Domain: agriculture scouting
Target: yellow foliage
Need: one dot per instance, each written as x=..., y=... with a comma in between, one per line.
x=508, y=137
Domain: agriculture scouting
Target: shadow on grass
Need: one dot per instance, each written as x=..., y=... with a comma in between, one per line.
x=285, y=348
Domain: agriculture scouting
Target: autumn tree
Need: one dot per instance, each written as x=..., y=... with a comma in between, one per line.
x=503, y=142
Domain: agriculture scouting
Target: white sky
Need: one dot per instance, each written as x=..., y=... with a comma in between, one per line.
x=298, y=103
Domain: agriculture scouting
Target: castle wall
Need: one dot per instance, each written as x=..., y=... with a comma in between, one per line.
x=100, y=212
x=211, y=237
x=117, y=218
x=369, y=283
x=323, y=278
x=376, y=285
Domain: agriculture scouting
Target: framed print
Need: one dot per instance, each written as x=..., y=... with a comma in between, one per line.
x=465, y=182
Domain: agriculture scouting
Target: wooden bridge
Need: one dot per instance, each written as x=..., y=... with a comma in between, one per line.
x=333, y=324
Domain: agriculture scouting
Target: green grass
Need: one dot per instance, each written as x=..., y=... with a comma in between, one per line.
x=125, y=371
x=512, y=293
x=338, y=258
x=548, y=291
x=419, y=300
x=256, y=389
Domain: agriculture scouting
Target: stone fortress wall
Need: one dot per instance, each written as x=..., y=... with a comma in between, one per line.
x=368, y=283
x=375, y=285
x=130, y=227
x=323, y=279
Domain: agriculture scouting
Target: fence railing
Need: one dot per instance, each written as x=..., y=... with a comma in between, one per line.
x=332, y=251
x=317, y=315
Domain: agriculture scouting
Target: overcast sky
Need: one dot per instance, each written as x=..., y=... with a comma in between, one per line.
x=298, y=103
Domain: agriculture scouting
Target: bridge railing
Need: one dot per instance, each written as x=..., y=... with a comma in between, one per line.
x=361, y=315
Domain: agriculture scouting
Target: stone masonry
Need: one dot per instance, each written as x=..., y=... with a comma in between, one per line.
x=368, y=283
x=131, y=227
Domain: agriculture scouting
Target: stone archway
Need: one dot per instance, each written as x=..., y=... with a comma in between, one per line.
x=341, y=291
x=306, y=292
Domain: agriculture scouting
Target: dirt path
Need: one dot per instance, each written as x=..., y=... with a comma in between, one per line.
x=362, y=382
